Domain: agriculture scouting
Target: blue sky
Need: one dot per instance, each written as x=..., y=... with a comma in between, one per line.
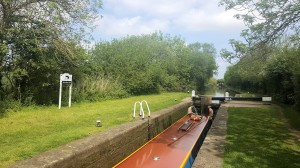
x=193, y=20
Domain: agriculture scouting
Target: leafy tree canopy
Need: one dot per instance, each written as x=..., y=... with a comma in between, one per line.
x=145, y=64
x=268, y=22
x=38, y=40
x=266, y=19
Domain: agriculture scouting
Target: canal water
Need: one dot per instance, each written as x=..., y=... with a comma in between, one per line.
x=218, y=92
x=215, y=93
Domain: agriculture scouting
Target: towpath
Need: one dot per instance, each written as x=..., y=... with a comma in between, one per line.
x=212, y=149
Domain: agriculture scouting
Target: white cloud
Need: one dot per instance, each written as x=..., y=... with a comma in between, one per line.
x=127, y=17
x=208, y=16
x=159, y=8
x=117, y=27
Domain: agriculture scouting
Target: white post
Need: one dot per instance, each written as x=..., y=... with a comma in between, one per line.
x=227, y=96
x=193, y=93
x=60, y=90
x=70, y=94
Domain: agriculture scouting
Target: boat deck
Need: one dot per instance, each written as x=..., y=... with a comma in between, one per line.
x=174, y=147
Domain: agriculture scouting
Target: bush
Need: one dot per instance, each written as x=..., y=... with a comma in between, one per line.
x=9, y=106
x=98, y=87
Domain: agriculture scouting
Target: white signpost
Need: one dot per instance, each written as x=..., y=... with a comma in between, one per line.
x=67, y=79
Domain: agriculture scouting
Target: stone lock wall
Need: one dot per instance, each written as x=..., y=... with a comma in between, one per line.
x=110, y=147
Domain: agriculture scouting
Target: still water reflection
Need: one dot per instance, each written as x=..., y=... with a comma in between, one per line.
x=218, y=92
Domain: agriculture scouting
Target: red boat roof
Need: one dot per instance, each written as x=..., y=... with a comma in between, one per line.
x=171, y=148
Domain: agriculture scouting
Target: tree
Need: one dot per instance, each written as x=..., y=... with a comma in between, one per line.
x=239, y=50
x=145, y=64
x=202, y=59
x=40, y=36
x=282, y=75
x=267, y=20
x=270, y=59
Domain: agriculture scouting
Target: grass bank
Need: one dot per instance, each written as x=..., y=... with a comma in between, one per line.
x=256, y=137
x=292, y=115
x=33, y=130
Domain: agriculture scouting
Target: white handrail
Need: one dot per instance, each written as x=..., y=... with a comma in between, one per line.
x=147, y=107
x=142, y=113
x=141, y=109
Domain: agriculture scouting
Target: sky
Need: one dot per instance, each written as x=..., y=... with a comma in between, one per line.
x=193, y=20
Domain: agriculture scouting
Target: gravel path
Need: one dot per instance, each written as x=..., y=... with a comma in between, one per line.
x=212, y=149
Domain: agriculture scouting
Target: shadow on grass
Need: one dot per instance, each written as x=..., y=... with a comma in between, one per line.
x=257, y=138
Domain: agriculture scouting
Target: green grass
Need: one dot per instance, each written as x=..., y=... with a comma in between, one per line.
x=256, y=137
x=251, y=95
x=293, y=115
x=247, y=95
x=29, y=132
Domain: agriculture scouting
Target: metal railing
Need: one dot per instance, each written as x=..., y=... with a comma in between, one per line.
x=142, y=113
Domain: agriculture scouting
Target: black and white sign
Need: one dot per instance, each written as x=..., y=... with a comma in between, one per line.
x=67, y=79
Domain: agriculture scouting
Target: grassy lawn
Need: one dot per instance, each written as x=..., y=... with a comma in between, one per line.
x=34, y=130
x=256, y=137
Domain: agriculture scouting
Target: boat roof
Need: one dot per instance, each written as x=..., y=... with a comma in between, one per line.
x=171, y=148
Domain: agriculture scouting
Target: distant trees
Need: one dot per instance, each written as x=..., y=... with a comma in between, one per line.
x=151, y=63
x=277, y=76
x=269, y=60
